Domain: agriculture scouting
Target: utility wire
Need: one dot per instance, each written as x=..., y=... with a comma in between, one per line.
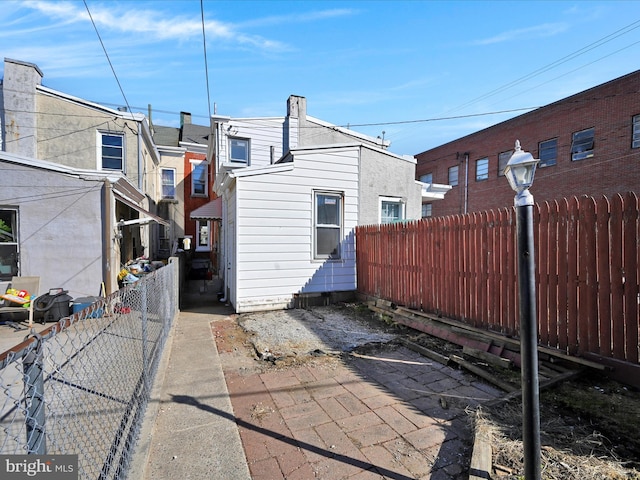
x=107, y=55
x=612, y=36
x=206, y=68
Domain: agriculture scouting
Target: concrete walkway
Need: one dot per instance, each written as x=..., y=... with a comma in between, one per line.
x=189, y=430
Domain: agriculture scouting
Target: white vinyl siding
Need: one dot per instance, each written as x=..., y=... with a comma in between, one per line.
x=263, y=133
x=275, y=229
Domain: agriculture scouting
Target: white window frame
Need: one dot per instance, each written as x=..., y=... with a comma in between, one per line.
x=10, y=242
x=194, y=165
x=199, y=246
x=100, y=144
x=451, y=177
x=503, y=159
x=317, y=226
x=391, y=200
x=247, y=143
x=635, y=132
x=164, y=184
x=427, y=178
x=544, y=147
x=482, y=169
x=426, y=210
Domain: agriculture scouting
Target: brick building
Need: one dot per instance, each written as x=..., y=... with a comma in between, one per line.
x=588, y=143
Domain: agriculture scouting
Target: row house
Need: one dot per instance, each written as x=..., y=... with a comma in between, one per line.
x=58, y=135
x=292, y=191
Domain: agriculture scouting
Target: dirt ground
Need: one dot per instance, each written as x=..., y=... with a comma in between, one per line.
x=590, y=426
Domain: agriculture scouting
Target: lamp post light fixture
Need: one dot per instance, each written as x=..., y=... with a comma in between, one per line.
x=520, y=172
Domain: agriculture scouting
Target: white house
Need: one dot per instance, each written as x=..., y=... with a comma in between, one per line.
x=294, y=189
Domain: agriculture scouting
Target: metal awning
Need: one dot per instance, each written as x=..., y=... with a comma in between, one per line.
x=148, y=216
x=208, y=211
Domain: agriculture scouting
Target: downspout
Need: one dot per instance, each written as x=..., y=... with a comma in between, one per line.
x=140, y=172
x=466, y=181
x=108, y=235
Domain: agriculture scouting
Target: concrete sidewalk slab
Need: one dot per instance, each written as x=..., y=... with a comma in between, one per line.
x=190, y=430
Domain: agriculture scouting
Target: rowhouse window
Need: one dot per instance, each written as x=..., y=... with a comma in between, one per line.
x=503, y=159
x=582, y=144
x=636, y=132
x=391, y=210
x=482, y=169
x=8, y=243
x=427, y=178
x=426, y=210
x=168, y=183
x=239, y=150
x=199, y=179
x=548, y=152
x=453, y=176
x=112, y=151
x=202, y=233
x=328, y=225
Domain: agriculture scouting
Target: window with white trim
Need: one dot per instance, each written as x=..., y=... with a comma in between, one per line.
x=453, y=175
x=391, y=210
x=239, y=150
x=503, y=159
x=168, y=183
x=582, y=144
x=203, y=237
x=111, y=156
x=426, y=210
x=426, y=178
x=635, y=139
x=8, y=243
x=327, y=225
x=199, y=174
x=482, y=169
x=548, y=152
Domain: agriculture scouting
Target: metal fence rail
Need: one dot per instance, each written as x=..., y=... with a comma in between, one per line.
x=82, y=385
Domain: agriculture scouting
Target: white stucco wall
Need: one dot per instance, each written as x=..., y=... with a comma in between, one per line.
x=60, y=227
x=387, y=175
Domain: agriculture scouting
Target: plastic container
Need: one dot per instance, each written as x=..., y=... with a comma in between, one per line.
x=80, y=304
x=51, y=306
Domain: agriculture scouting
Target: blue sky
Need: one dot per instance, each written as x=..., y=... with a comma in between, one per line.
x=424, y=72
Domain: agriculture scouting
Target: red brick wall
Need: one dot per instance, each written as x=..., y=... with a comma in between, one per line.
x=191, y=203
x=614, y=168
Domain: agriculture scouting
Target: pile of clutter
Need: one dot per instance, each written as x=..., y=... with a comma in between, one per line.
x=134, y=269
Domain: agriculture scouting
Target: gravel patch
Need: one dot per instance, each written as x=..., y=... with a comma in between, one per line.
x=331, y=329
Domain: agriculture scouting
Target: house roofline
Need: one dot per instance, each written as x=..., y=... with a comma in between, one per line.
x=138, y=117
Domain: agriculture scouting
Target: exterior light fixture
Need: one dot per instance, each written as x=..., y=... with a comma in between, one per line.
x=519, y=172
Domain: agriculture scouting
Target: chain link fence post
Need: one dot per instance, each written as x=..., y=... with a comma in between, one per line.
x=34, y=398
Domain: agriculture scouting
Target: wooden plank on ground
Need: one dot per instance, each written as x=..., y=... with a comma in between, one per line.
x=507, y=387
x=490, y=358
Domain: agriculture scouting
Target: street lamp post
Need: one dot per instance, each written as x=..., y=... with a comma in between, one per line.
x=519, y=172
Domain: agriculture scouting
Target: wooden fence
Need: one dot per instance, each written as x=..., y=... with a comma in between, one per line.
x=464, y=267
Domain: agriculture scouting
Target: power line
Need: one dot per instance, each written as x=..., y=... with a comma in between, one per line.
x=607, y=38
x=106, y=54
x=206, y=68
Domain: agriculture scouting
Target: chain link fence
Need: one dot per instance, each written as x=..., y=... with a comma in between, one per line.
x=82, y=385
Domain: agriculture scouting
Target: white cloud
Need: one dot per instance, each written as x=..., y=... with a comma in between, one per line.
x=154, y=25
x=537, y=31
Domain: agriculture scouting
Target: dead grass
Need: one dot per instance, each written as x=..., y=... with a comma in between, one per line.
x=587, y=432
